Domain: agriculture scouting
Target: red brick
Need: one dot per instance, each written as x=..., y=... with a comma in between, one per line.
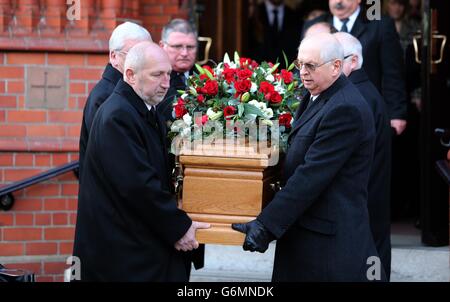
x=41, y=248
x=74, y=131
x=65, y=116
x=8, y=101
x=91, y=86
x=27, y=205
x=81, y=102
x=24, y=219
x=65, y=59
x=59, y=159
x=2, y=87
x=97, y=60
x=55, y=204
x=6, y=219
x=59, y=278
x=45, y=279
x=43, y=160
x=11, y=249
x=74, y=156
x=45, y=131
x=72, y=204
x=6, y=159
x=25, y=58
x=13, y=131
x=15, y=87
x=67, y=233
x=69, y=189
x=9, y=72
x=60, y=219
x=170, y=9
x=86, y=74
x=43, y=219
x=2, y=116
x=22, y=116
x=77, y=88
x=153, y=10
x=65, y=248
x=22, y=234
x=15, y=175
x=43, y=190
x=73, y=103
x=73, y=218
x=32, y=267
x=23, y=159
x=55, y=267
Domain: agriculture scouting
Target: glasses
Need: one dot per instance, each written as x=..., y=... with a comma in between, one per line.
x=309, y=66
x=348, y=56
x=180, y=47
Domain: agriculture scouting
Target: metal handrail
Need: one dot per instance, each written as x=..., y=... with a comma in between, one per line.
x=6, y=198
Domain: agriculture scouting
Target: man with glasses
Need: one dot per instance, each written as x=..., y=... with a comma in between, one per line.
x=378, y=202
x=179, y=40
x=124, y=36
x=320, y=218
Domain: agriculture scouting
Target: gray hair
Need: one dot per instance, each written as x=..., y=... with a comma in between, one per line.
x=351, y=46
x=127, y=31
x=179, y=26
x=330, y=48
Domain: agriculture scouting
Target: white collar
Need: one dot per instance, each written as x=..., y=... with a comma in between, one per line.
x=351, y=20
x=148, y=106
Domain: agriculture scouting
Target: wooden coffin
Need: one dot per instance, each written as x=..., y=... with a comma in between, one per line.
x=222, y=188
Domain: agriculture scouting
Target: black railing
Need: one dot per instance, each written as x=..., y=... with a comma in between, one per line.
x=6, y=197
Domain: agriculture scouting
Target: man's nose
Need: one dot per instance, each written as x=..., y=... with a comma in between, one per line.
x=165, y=83
x=184, y=51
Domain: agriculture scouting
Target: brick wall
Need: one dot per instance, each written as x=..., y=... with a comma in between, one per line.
x=37, y=233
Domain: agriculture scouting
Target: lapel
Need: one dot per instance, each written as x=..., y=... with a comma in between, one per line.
x=358, y=76
x=360, y=25
x=321, y=100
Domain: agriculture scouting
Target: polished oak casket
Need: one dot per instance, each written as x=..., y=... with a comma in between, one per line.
x=223, y=185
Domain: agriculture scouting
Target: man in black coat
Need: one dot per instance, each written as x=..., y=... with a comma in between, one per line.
x=124, y=36
x=380, y=174
x=129, y=227
x=274, y=28
x=383, y=59
x=320, y=216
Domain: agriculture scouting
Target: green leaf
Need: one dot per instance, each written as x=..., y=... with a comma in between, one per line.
x=274, y=68
x=285, y=59
x=291, y=66
x=208, y=73
x=295, y=106
x=236, y=57
x=251, y=109
x=200, y=69
x=240, y=109
x=181, y=91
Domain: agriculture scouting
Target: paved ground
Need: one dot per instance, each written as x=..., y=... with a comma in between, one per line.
x=410, y=262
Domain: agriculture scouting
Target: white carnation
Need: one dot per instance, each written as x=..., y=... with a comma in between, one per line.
x=187, y=119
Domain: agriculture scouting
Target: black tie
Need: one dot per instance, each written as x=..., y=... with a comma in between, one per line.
x=275, y=20
x=344, y=25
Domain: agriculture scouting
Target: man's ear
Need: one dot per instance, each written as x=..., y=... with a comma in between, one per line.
x=113, y=58
x=161, y=44
x=337, y=67
x=130, y=76
x=355, y=60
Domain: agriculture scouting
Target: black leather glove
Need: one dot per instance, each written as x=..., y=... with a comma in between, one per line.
x=257, y=236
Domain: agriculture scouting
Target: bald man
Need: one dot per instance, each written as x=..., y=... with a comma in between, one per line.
x=128, y=226
x=320, y=217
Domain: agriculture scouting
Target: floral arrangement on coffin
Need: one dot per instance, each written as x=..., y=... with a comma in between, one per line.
x=235, y=97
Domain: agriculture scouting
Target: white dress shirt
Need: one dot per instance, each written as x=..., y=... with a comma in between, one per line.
x=351, y=21
x=269, y=9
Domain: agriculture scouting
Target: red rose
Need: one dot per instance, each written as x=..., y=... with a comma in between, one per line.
x=244, y=62
x=242, y=86
x=210, y=88
x=201, y=120
x=287, y=76
x=266, y=87
x=228, y=74
x=180, y=109
x=200, y=98
x=229, y=110
x=285, y=120
x=254, y=65
x=244, y=74
x=275, y=97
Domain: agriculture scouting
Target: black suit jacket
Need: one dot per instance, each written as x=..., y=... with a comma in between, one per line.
x=265, y=44
x=383, y=59
x=128, y=222
x=380, y=173
x=320, y=216
x=98, y=95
